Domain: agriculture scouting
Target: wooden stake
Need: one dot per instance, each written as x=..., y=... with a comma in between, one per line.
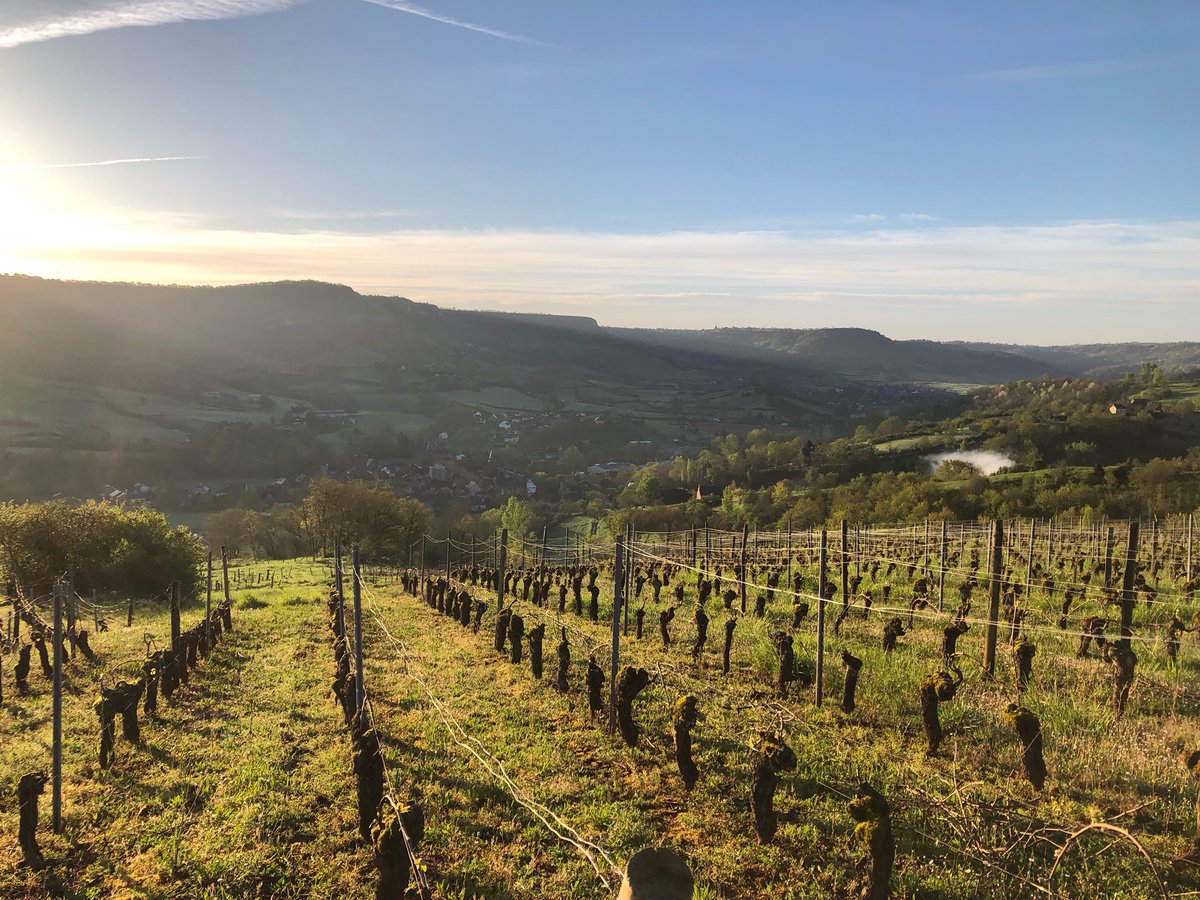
x=821, y=564
x=995, y=569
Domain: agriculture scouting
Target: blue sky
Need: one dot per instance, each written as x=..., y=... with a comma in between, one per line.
x=1016, y=171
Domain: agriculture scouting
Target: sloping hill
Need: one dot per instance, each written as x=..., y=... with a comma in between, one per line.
x=860, y=353
x=1105, y=360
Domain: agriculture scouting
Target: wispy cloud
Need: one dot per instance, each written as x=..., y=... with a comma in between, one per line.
x=414, y=9
x=1066, y=282
x=1093, y=68
x=28, y=167
x=20, y=24
x=880, y=218
x=19, y=27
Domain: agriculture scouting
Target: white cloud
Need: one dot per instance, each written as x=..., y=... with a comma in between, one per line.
x=869, y=217
x=1061, y=282
x=20, y=27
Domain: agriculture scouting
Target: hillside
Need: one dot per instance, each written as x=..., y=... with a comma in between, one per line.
x=1104, y=360
x=142, y=383
x=141, y=361
x=859, y=353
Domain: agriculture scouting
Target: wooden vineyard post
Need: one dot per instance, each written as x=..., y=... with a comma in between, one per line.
x=745, y=575
x=942, y=569
x=627, y=582
x=542, y=560
x=70, y=590
x=1029, y=562
x=995, y=571
x=1191, y=516
x=928, y=548
x=56, y=715
x=225, y=572
x=129, y=613
x=845, y=566
x=208, y=602
x=1127, y=594
x=447, y=560
x=341, y=596
x=175, y=617
x=501, y=563
x=421, y=588
x=1108, y=553
x=618, y=589
x=789, y=553
x=472, y=551
x=359, y=693
x=821, y=564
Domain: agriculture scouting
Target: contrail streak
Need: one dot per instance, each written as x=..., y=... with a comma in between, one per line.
x=25, y=167
x=414, y=9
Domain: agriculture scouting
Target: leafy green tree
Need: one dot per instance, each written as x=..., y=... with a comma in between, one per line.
x=517, y=516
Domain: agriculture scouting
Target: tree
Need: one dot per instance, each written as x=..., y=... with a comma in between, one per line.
x=232, y=529
x=650, y=490
x=370, y=514
x=517, y=516
x=113, y=548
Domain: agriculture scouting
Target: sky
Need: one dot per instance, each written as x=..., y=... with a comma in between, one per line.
x=1021, y=172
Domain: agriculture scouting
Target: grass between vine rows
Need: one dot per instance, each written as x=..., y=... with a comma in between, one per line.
x=245, y=788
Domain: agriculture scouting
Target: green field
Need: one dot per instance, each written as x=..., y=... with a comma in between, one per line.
x=243, y=786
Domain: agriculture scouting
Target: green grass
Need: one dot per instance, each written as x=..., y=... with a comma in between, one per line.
x=244, y=788
x=241, y=788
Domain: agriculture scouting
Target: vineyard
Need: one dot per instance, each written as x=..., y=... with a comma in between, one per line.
x=964, y=709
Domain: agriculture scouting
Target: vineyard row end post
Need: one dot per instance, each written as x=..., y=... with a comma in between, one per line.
x=995, y=569
x=1131, y=552
x=618, y=589
x=359, y=691
x=56, y=715
x=822, y=562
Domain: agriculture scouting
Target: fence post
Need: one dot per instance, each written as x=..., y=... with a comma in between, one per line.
x=1108, y=553
x=500, y=569
x=421, y=588
x=359, y=691
x=789, y=553
x=627, y=581
x=1131, y=554
x=174, y=616
x=822, y=562
x=1029, y=562
x=71, y=607
x=745, y=574
x=942, y=569
x=845, y=565
x=447, y=559
x=341, y=594
x=56, y=713
x=225, y=572
x=208, y=601
x=618, y=589
x=1191, y=516
x=995, y=571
